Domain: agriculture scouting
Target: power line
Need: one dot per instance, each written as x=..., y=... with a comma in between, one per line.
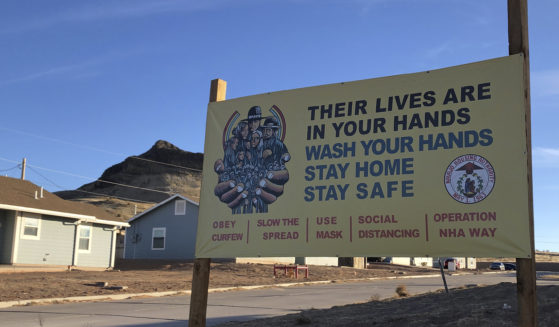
x=136, y=187
x=11, y=161
x=94, y=193
x=166, y=164
x=112, y=196
x=8, y=160
x=61, y=172
x=93, y=148
x=53, y=183
x=91, y=178
x=14, y=167
x=98, y=180
x=78, y=190
x=58, y=141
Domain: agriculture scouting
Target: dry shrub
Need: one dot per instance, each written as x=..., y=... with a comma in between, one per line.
x=402, y=291
x=374, y=297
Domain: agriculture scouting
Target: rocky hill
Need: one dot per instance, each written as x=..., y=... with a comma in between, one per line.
x=164, y=168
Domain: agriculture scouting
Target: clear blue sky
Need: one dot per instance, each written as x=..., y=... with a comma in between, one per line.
x=84, y=84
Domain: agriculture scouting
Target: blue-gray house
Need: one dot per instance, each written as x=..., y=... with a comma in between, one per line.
x=164, y=231
x=39, y=228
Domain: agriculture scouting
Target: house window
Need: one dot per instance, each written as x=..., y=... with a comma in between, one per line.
x=31, y=227
x=84, y=242
x=180, y=207
x=158, y=238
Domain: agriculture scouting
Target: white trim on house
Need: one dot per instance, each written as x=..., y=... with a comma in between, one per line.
x=180, y=207
x=89, y=238
x=124, y=251
x=113, y=247
x=162, y=203
x=15, y=239
x=85, y=218
x=110, y=222
x=164, y=229
x=76, y=239
x=47, y=212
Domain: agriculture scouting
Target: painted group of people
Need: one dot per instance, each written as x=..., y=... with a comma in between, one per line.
x=253, y=149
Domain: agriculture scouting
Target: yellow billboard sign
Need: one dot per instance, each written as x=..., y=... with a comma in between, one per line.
x=424, y=164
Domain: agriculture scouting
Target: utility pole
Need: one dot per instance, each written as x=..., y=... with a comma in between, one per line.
x=201, y=269
x=526, y=267
x=23, y=163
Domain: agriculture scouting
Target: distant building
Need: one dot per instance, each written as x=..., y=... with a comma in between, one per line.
x=462, y=262
x=39, y=228
x=164, y=231
x=413, y=261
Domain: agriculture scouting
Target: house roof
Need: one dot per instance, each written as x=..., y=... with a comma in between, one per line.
x=162, y=203
x=17, y=194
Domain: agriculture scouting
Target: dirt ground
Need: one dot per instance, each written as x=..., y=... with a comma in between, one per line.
x=172, y=277
x=480, y=306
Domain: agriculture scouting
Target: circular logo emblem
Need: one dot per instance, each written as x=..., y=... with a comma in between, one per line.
x=469, y=178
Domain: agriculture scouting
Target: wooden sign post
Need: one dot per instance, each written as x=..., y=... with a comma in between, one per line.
x=201, y=270
x=526, y=267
